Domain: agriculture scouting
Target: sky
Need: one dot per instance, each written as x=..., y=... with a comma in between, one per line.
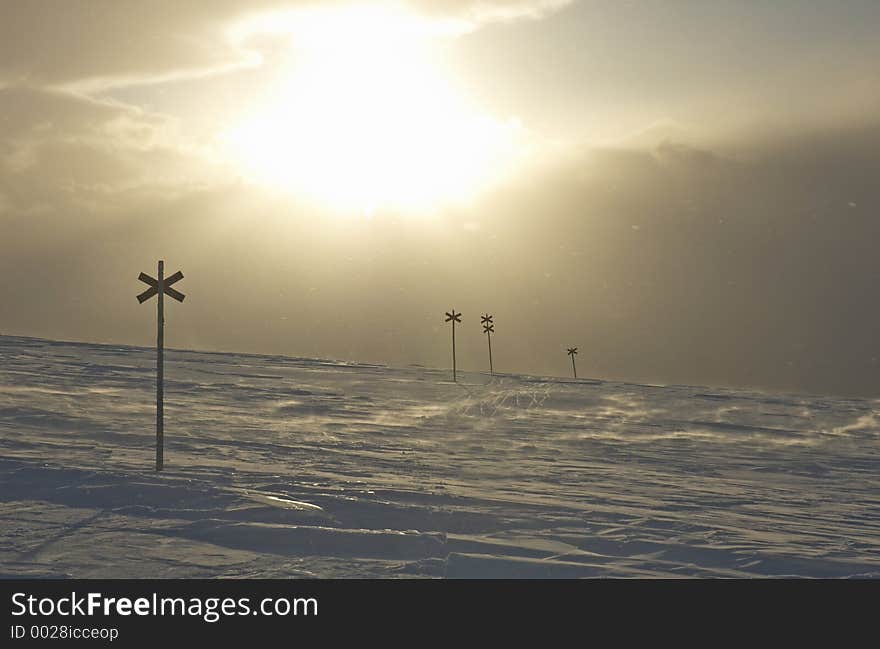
x=685, y=190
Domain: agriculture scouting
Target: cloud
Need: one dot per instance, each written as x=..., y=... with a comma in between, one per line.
x=479, y=12
x=63, y=139
x=95, y=44
x=59, y=148
x=749, y=262
x=756, y=270
x=32, y=114
x=745, y=266
x=51, y=42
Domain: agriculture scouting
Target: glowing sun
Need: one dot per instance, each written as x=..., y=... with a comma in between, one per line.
x=366, y=118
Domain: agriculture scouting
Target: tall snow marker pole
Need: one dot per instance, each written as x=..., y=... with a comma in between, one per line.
x=572, y=351
x=453, y=317
x=160, y=369
x=488, y=328
x=160, y=287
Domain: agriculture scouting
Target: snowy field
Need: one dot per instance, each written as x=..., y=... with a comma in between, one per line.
x=283, y=467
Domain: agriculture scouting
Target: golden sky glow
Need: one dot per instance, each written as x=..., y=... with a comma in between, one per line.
x=365, y=116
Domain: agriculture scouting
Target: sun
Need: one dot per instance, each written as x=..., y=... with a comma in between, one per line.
x=366, y=118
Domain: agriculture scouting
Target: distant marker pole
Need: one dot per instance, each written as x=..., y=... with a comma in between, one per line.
x=453, y=317
x=572, y=351
x=488, y=329
x=160, y=368
x=160, y=287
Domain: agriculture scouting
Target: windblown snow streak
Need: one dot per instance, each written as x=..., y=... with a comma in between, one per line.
x=280, y=467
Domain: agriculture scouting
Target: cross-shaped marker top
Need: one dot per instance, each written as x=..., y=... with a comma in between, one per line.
x=455, y=317
x=486, y=319
x=572, y=351
x=166, y=287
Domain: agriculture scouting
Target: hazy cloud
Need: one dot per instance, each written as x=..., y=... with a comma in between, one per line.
x=754, y=267
x=62, y=41
x=483, y=11
x=99, y=43
x=58, y=148
x=747, y=259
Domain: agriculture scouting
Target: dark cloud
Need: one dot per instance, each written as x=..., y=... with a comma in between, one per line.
x=688, y=265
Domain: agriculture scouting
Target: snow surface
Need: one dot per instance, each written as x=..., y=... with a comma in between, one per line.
x=288, y=467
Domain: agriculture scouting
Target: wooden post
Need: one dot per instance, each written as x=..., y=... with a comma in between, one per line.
x=160, y=383
x=488, y=328
x=454, y=377
x=572, y=351
x=453, y=317
x=159, y=287
x=491, y=369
